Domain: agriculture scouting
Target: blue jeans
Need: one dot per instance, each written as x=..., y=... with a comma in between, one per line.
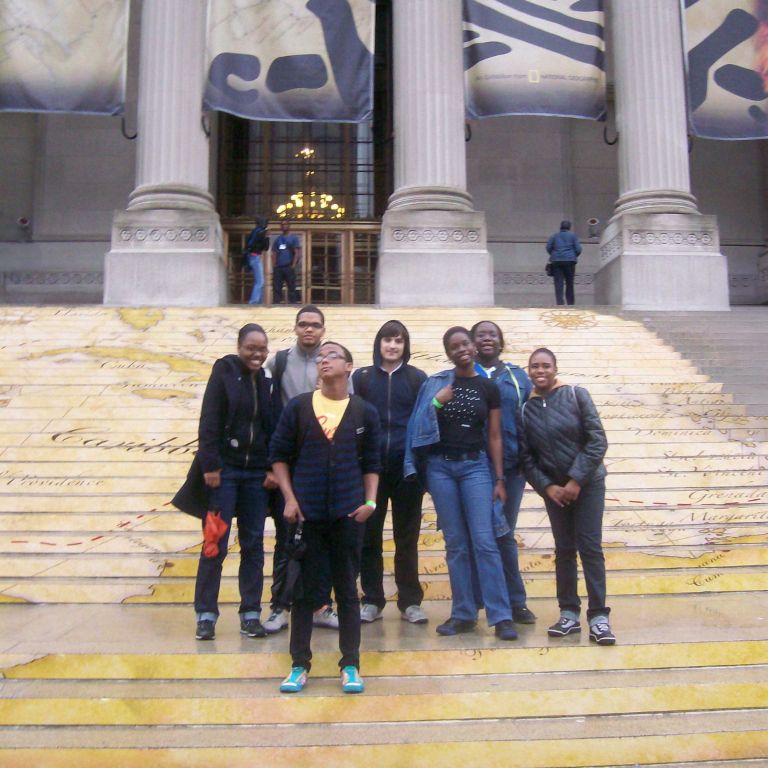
x=254, y=259
x=515, y=483
x=462, y=492
x=241, y=493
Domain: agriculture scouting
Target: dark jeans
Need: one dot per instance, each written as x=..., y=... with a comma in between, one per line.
x=406, y=525
x=563, y=272
x=280, y=560
x=515, y=483
x=241, y=493
x=338, y=542
x=579, y=527
x=285, y=275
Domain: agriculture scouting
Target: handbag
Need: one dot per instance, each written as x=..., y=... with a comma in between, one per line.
x=548, y=268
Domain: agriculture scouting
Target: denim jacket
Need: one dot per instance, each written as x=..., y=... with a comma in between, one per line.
x=423, y=431
x=512, y=399
x=422, y=428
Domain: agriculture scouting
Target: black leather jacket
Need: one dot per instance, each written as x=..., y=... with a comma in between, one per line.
x=561, y=438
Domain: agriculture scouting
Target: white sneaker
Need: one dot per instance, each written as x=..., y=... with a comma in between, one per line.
x=369, y=613
x=277, y=620
x=414, y=615
x=325, y=617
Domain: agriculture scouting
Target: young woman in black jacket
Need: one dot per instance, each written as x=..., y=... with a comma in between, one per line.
x=562, y=445
x=236, y=422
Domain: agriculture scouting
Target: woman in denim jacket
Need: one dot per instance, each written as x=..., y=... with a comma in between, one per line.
x=455, y=426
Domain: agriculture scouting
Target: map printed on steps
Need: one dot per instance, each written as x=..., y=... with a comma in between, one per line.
x=99, y=412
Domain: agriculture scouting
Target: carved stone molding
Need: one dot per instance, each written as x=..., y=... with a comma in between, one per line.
x=742, y=281
x=164, y=235
x=54, y=278
x=657, y=240
x=503, y=280
x=436, y=237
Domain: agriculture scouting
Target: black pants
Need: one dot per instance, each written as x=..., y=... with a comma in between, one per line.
x=406, y=524
x=579, y=527
x=563, y=272
x=280, y=560
x=337, y=542
x=285, y=275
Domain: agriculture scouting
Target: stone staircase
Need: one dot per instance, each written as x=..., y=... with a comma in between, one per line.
x=99, y=413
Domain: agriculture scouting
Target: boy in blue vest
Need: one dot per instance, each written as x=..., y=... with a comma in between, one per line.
x=325, y=458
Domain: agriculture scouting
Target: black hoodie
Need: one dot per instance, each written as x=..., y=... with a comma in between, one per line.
x=393, y=395
x=233, y=430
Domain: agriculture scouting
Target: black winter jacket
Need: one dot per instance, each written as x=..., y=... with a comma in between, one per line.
x=232, y=429
x=561, y=438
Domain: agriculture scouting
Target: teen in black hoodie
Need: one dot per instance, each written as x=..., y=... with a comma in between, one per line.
x=391, y=386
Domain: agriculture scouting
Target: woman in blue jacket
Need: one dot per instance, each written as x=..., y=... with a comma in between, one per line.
x=454, y=428
x=235, y=426
x=515, y=387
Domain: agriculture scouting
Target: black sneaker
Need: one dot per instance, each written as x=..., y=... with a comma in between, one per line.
x=252, y=628
x=600, y=633
x=564, y=626
x=523, y=615
x=206, y=630
x=455, y=627
x=505, y=630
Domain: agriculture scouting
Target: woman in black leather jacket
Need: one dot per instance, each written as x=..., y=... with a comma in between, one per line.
x=562, y=445
x=236, y=423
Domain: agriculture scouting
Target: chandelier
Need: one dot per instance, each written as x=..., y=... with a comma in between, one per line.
x=309, y=203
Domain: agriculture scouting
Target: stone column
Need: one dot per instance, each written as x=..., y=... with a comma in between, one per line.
x=658, y=251
x=167, y=247
x=433, y=244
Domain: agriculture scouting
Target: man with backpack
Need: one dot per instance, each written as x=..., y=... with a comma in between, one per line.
x=294, y=372
x=391, y=385
x=256, y=244
x=325, y=458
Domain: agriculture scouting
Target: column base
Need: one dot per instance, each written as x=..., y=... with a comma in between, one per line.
x=434, y=259
x=662, y=261
x=166, y=258
x=762, y=279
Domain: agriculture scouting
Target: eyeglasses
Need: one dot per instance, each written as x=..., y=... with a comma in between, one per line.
x=329, y=356
x=305, y=324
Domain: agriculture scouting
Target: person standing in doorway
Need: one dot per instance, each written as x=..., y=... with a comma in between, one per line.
x=564, y=250
x=294, y=372
x=286, y=252
x=256, y=244
x=391, y=385
x=325, y=454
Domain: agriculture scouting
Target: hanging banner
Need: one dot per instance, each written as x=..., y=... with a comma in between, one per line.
x=727, y=47
x=291, y=59
x=534, y=57
x=63, y=56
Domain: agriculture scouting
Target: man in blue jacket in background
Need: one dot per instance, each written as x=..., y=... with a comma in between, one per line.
x=564, y=250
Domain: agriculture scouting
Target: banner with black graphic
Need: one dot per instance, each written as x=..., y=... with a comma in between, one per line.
x=63, y=55
x=727, y=47
x=534, y=57
x=291, y=59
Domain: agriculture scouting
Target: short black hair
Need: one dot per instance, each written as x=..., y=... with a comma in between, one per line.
x=249, y=328
x=473, y=330
x=347, y=353
x=565, y=224
x=310, y=308
x=454, y=329
x=393, y=328
x=546, y=352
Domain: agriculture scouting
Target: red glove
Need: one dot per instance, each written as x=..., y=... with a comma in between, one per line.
x=213, y=530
